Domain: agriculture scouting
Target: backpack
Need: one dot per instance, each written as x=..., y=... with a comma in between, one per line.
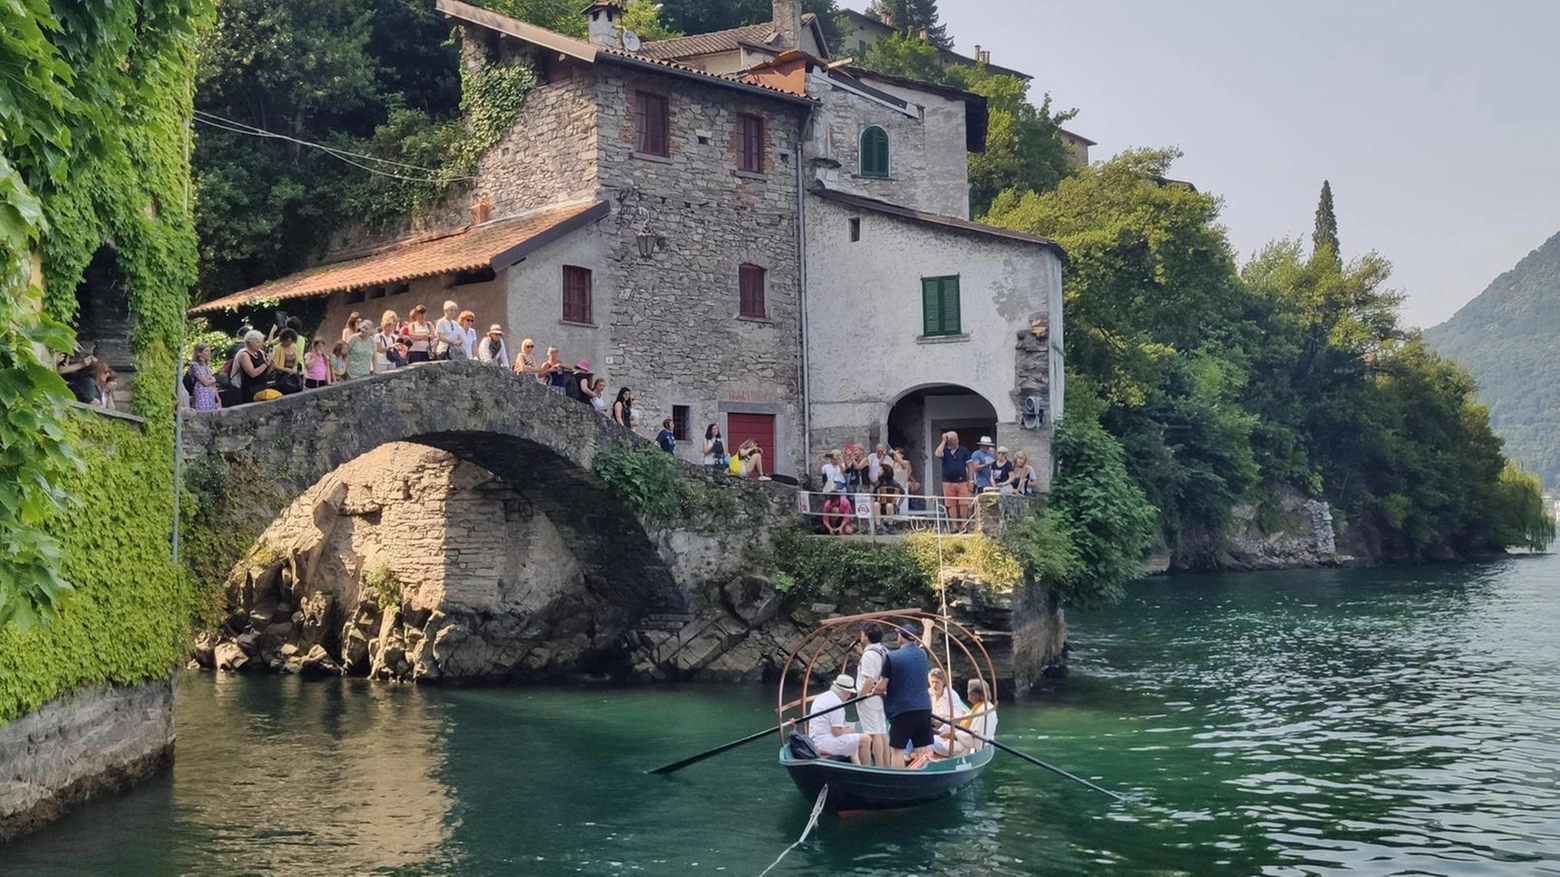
x=189, y=380
x=230, y=378
x=802, y=749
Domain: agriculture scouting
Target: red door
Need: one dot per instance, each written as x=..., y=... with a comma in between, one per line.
x=758, y=427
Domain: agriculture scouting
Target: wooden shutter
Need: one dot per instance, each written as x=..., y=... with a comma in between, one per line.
x=652, y=124
x=940, y=306
x=576, y=294
x=874, y=152
x=750, y=144
x=750, y=280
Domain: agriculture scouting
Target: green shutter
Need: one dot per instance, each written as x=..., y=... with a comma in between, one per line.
x=874, y=152
x=950, y=305
x=931, y=306
x=940, y=306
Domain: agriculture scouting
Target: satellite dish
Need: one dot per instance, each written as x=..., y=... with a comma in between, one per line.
x=631, y=41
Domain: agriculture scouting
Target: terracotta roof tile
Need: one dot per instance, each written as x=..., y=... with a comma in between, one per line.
x=716, y=41
x=495, y=245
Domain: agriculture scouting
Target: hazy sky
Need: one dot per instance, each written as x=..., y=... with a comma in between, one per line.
x=1437, y=122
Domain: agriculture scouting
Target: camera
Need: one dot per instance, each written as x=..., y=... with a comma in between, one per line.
x=281, y=319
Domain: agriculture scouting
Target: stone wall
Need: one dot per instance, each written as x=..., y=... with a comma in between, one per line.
x=1287, y=531
x=928, y=155
x=94, y=742
x=677, y=336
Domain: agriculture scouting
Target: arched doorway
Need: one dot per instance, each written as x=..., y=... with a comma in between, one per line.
x=923, y=413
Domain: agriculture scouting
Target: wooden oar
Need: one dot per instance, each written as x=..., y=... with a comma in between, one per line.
x=1029, y=758
x=710, y=753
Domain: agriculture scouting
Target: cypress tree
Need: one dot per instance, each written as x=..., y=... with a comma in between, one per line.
x=1325, y=237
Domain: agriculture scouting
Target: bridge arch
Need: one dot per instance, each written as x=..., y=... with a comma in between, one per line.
x=537, y=443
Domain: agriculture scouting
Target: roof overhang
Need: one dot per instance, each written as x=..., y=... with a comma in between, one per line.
x=493, y=246
x=949, y=222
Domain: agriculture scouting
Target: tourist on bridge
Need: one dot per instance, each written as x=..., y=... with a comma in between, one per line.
x=390, y=355
x=980, y=464
x=667, y=437
x=621, y=406
x=714, y=448
x=1023, y=480
x=316, y=367
x=1002, y=472
x=468, y=331
x=204, y=397
x=525, y=363
x=598, y=396
x=287, y=362
x=420, y=331
x=251, y=371
x=492, y=350
x=352, y=326
x=829, y=731
x=361, y=351
x=554, y=373
x=450, y=342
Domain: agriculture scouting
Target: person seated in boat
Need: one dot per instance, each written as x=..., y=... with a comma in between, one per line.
x=947, y=706
x=905, y=701
x=830, y=732
x=981, y=717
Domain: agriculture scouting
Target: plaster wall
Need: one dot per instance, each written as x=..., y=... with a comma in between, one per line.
x=485, y=299
x=927, y=149
x=865, y=323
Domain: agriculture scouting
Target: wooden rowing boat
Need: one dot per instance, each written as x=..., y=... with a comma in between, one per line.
x=859, y=787
x=827, y=650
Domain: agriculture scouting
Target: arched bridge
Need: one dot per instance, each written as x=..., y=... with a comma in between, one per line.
x=540, y=444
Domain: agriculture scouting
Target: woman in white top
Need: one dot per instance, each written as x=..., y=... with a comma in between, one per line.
x=384, y=342
x=947, y=705
x=450, y=340
x=468, y=329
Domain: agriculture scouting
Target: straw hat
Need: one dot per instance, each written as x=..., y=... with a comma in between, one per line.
x=844, y=683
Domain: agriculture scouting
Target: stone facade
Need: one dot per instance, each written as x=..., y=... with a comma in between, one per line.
x=1009, y=291
x=96, y=741
x=928, y=153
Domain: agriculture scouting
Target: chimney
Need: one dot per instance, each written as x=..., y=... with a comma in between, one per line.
x=982, y=56
x=481, y=209
x=602, y=22
x=788, y=23
x=924, y=34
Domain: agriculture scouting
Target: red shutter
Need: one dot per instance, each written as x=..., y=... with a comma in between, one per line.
x=576, y=294
x=750, y=282
x=758, y=427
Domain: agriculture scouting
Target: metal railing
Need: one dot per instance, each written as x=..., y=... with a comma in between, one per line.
x=872, y=516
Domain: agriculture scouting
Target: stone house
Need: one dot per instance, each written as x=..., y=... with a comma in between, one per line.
x=744, y=232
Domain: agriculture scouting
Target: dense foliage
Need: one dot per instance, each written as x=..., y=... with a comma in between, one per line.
x=1509, y=340
x=94, y=110
x=913, y=17
x=1224, y=386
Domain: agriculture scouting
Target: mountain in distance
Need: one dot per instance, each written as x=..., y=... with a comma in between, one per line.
x=1509, y=339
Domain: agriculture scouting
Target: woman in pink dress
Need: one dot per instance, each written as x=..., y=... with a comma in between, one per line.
x=317, y=371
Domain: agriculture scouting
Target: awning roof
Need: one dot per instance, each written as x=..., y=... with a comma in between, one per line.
x=493, y=245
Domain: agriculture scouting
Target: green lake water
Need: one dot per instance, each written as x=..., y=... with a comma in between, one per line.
x=1373, y=722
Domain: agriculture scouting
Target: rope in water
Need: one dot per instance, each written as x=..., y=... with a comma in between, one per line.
x=812, y=822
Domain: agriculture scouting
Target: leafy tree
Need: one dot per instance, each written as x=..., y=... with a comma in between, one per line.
x=904, y=54
x=1023, y=149
x=704, y=16
x=1524, y=521
x=913, y=16
x=1325, y=238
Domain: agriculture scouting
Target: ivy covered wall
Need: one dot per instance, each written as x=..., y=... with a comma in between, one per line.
x=95, y=102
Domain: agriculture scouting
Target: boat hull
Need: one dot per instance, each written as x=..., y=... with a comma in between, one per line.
x=857, y=787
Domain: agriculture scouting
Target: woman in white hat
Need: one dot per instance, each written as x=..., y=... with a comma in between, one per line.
x=829, y=731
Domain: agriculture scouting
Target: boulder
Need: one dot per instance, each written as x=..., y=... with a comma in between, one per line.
x=318, y=663
x=229, y=656
x=752, y=599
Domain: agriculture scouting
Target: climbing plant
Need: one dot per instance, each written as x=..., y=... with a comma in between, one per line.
x=94, y=139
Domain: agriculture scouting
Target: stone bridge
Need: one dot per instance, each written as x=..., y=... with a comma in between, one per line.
x=298, y=600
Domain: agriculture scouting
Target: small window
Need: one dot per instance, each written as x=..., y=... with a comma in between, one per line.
x=576, y=294
x=750, y=144
x=940, y=306
x=750, y=280
x=855, y=230
x=681, y=414
x=874, y=152
x=652, y=124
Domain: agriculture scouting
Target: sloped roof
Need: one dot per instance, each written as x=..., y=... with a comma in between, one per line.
x=953, y=222
x=493, y=245
x=692, y=46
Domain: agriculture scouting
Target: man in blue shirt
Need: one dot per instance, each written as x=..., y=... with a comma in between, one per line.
x=956, y=478
x=980, y=464
x=906, y=701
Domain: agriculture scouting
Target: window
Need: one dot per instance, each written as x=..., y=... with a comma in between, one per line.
x=651, y=122
x=855, y=229
x=940, y=305
x=576, y=294
x=750, y=281
x=874, y=152
x=681, y=414
x=750, y=144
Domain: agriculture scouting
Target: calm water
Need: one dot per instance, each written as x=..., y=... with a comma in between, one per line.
x=1367, y=723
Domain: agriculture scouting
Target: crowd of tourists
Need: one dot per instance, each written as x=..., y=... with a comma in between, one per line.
x=907, y=713
x=882, y=486
x=259, y=367
x=90, y=379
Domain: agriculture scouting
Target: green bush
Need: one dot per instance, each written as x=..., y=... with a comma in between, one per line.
x=650, y=480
